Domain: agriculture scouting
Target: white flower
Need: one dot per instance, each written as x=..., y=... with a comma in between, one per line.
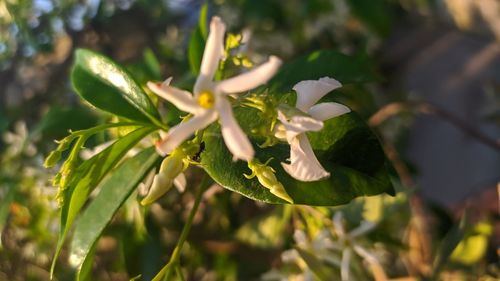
x=209, y=101
x=304, y=165
x=348, y=244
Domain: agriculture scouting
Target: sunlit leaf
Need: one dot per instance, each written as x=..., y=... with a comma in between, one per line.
x=109, y=87
x=115, y=189
x=86, y=178
x=346, y=147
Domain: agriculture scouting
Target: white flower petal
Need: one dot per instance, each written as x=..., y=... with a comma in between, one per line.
x=299, y=124
x=365, y=254
x=180, y=182
x=311, y=91
x=327, y=110
x=344, y=268
x=183, y=100
x=304, y=165
x=337, y=223
x=179, y=133
x=251, y=79
x=234, y=137
x=364, y=228
x=161, y=184
x=214, y=51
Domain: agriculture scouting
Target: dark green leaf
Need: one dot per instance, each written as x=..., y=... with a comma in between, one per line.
x=346, y=69
x=346, y=147
x=195, y=50
x=59, y=120
x=107, y=86
x=86, y=178
x=375, y=14
x=115, y=189
x=449, y=243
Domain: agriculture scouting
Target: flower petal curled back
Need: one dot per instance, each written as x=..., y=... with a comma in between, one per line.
x=327, y=110
x=234, y=137
x=311, y=91
x=252, y=79
x=304, y=165
x=214, y=51
x=183, y=100
x=179, y=133
x=298, y=125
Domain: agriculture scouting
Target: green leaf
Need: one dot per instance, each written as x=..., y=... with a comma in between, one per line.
x=197, y=40
x=375, y=14
x=115, y=189
x=5, y=207
x=59, y=120
x=346, y=69
x=109, y=87
x=474, y=245
x=346, y=147
x=86, y=178
x=195, y=50
x=203, y=20
x=449, y=243
x=265, y=231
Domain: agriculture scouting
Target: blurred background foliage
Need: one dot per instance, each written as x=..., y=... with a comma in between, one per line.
x=234, y=238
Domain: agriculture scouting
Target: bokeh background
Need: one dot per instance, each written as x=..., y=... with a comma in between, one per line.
x=436, y=108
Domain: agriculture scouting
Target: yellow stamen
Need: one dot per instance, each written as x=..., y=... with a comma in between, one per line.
x=206, y=99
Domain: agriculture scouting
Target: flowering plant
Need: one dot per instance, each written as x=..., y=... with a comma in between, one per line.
x=273, y=141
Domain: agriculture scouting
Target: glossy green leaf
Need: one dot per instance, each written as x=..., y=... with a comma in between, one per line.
x=346, y=147
x=346, y=69
x=87, y=177
x=115, y=189
x=109, y=87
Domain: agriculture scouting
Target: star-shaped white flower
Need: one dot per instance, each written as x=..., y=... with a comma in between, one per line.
x=209, y=101
x=348, y=244
x=304, y=165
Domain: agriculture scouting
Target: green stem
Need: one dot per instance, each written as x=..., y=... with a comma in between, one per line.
x=99, y=128
x=173, y=263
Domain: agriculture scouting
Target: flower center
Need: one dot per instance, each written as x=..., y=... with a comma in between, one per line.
x=206, y=99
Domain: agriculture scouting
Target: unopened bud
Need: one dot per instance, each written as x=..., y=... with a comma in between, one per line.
x=161, y=184
x=266, y=176
x=171, y=167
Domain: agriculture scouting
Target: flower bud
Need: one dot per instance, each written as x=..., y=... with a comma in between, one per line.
x=161, y=184
x=171, y=167
x=266, y=176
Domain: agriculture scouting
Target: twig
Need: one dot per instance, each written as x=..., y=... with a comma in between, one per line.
x=392, y=109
